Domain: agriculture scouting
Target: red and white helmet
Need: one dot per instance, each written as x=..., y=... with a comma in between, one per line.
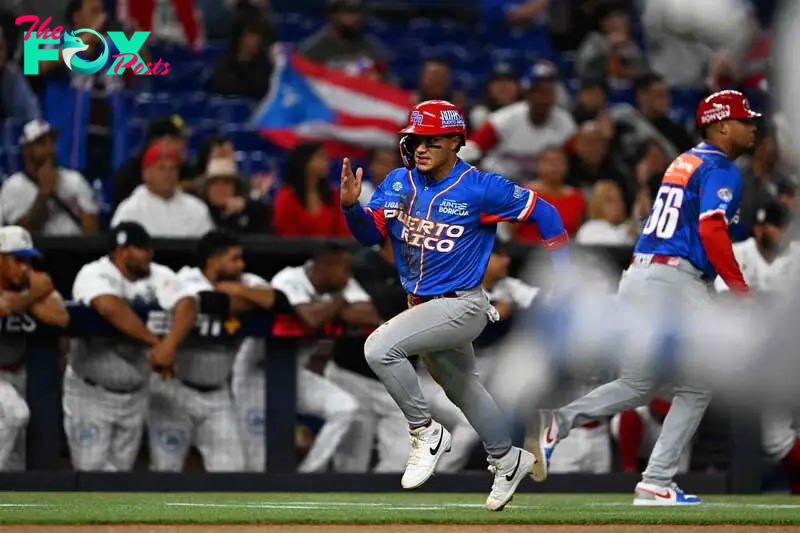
x=724, y=105
x=432, y=117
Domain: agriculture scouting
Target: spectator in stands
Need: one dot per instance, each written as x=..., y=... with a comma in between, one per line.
x=760, y=175
x=571, y=22
x=502, y=90
x=226, y=197
x=214, y=147
x=158, y=204
x=550, y=185
x=611, y=52
x=608, y=222
x=513, y=137
x=518, y=12
x=342, y=45
x=649, y=170
x=653, y=100
x=306, y=205
x=244, y=70
x=17, y=100
x=590, y=160
x=436, y=83
x=591, y=100
x=218, y=16
x=46, y=197
x=381, y=162
x=129, y=176
x=787, y=194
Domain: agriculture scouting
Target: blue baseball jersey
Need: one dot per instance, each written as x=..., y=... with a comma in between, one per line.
x=443, y=231
x=699, y=183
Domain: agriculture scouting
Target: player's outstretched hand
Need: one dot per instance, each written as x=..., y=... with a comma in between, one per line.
x=350, y=188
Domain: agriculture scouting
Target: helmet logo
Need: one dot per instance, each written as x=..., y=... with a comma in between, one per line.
x=416, y=118
x=451, y=119
x=715, y=114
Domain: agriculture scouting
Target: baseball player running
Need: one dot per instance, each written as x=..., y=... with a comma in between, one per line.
x=195, y=406
x=24, y=295
x=441, y=215
x=105, y=383
x=684, y=245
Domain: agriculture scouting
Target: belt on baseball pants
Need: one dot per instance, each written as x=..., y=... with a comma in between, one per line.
x=413, y=299
x=676, y=262
x=201, y=388
x=112, y=390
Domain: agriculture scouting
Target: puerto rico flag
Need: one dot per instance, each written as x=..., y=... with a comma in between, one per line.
x=308, y=101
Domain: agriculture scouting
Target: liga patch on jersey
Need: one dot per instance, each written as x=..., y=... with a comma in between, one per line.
x=725, y=194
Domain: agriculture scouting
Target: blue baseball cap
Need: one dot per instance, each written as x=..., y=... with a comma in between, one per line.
x=16, y=241
x=540, y=71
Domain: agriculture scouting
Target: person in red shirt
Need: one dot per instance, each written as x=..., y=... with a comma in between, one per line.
x=304, y=205
x=551, y=173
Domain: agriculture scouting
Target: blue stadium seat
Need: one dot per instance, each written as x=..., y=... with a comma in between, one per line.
x=235, y=110
x=192, y=107
x=243, y=162
x=245, y=140
x=12, y=130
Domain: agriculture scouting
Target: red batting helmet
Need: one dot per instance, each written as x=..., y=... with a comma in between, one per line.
x=724, y=105
x=432, y=117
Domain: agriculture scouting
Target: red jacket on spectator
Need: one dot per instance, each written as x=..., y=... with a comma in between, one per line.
x=572, y=208
x=292, y=219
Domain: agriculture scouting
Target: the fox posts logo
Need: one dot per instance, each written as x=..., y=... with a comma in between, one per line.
x=128, y=56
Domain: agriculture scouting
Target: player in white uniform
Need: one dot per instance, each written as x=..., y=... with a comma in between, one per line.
x=507, y=294
x=195, y=406
x=769, y=267
x=106, y=381
x=321, y=293
x=24, y=295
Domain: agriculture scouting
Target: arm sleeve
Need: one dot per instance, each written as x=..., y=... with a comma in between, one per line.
x=292, y=286
x=368, y=224
x=86, y=197
x=91, y=283
x=123, y=213
x=172, y=288
x=716, y=195
x=14, y=200
x=482, y=140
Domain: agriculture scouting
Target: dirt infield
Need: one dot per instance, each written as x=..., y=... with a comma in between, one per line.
x=433, y=528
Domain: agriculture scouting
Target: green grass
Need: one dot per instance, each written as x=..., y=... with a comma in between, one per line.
x=392, y=508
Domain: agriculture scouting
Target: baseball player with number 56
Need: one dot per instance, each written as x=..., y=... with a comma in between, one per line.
x=441, y=215
x=684, y=245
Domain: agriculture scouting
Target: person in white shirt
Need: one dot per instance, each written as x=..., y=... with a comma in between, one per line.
x=511, y=139
x=507, y=294
x=106, y=381
x=322, y=292
x=45, y=197
x=608, y=223
x=770, y=267
x=158, y=204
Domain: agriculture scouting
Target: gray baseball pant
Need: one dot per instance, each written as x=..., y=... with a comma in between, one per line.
x=442, y=331
x=636, y=384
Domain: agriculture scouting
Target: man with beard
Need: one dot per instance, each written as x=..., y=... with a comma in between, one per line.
x=24, y=294
x=195, y=407
x=45, y=197
x=342, y=45
x=105, y=384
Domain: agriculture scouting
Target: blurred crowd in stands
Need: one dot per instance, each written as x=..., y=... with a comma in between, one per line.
x=586, y=101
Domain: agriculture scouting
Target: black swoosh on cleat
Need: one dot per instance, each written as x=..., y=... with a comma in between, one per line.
x=434, y=451
x=510, y=476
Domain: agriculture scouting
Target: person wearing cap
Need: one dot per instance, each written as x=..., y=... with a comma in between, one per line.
x=441, y=215
x=159, y=205
x=27, y=297
x=685, y=244
x=44, y=196
x=502, y=89
x=761, y=175
x=342, y=44
x=106, y=390
x=129, y=175
x=195, y=408
x=17, y=100
x=226, y=197
x=511, y=139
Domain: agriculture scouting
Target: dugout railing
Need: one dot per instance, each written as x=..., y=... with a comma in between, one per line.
x=265, y=256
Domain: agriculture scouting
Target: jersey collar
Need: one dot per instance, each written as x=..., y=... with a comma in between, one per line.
x=708, y=148
x=458, y=169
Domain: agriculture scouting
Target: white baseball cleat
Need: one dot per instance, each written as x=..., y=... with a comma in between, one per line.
x=647, y=494
x=541, y=440
x=508, y=471
x=428, y=444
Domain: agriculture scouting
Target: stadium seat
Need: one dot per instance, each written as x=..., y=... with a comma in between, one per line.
x=235, y=110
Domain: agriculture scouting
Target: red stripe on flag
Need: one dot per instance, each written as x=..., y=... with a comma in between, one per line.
x=360, y=84
x=288, y=139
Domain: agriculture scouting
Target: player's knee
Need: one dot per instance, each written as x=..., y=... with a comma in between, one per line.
x=17, y=416
x=378, y=353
